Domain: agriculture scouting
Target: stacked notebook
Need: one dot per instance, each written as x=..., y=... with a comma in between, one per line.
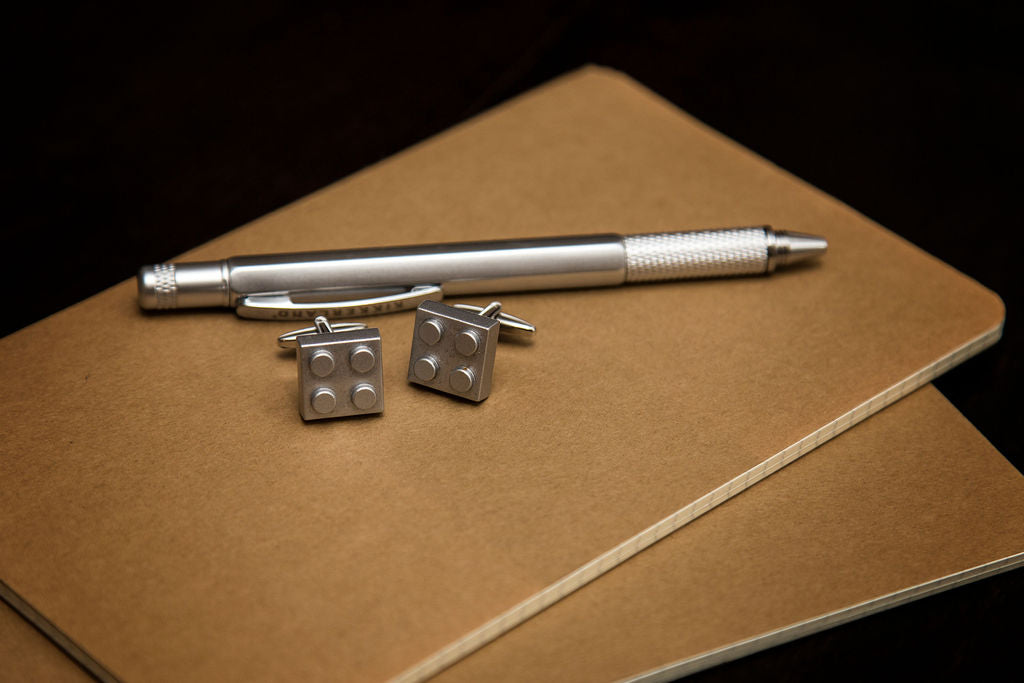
x=183, y=522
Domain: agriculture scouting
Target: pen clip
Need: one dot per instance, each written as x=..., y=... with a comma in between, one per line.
x=282, y=307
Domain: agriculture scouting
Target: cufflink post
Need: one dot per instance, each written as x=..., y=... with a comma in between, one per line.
x=511, y=326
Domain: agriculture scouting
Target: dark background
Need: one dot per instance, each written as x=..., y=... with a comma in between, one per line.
x=139, y=132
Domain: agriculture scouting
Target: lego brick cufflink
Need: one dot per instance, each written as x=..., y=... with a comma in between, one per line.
x=453, y=347
x=339, y=369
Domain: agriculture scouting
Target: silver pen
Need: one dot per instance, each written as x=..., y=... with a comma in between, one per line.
x=357, y=282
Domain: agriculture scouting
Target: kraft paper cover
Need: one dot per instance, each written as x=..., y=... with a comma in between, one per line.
x=882, y=508
x=166, y=507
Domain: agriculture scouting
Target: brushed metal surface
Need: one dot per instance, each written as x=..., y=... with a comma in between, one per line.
x=359, y=282
x=476, y=267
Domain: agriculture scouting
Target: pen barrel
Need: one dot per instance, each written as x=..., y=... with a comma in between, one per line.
x=702, y=254
x=459, y=268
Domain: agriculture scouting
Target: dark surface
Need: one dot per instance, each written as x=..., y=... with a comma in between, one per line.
x=139, y=134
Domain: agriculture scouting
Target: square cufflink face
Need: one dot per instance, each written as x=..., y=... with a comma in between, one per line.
x=453, y=350
x=340, y=374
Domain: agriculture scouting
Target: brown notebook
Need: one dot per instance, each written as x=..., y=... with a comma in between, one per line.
x=912, y=502
x=899, y=524
x=173, y=515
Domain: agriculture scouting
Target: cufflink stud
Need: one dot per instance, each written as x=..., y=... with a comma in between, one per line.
x=453, y=347
x=339, y=369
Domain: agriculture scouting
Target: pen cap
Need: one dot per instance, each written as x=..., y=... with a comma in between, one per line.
x=183, y=285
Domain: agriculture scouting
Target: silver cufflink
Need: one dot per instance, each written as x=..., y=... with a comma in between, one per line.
x=339, y=369
x=453, y=347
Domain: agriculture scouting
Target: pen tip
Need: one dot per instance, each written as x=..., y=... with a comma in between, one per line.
x=797, y=247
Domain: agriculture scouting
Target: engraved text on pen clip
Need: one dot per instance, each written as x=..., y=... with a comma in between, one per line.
x=282, y=306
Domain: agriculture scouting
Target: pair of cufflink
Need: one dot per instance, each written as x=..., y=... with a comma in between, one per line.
x=453, y=351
